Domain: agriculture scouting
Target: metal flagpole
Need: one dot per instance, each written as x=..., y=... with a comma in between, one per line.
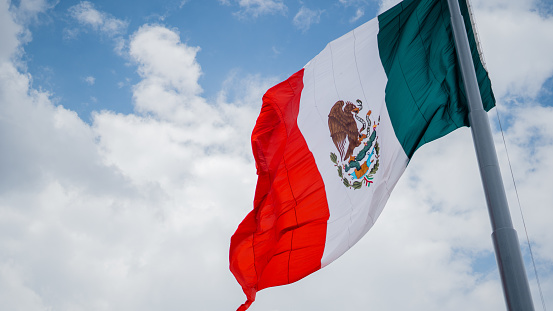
x=509, y=259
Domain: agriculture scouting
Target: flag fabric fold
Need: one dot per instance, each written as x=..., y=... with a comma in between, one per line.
x=282, y=239
x=331, y=141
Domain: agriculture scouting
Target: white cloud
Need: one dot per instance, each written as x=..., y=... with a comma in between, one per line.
x=14, y=293
x=169, y=70
x=9, y=34
x=29, y=10
x=182, y=3
x=90, y=80
x=87, y=15
x=306, y=17
x=70, y=33
x=530, y=145
x=359, y=4
x=110, y=214
x=358, y=14
x=124, y=83
x=506, y=26
x=244, y=89
x=255, y=8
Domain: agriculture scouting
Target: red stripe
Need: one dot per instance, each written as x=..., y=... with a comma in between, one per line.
x=282, y=239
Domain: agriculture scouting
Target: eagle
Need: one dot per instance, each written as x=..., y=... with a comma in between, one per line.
x=342, y=125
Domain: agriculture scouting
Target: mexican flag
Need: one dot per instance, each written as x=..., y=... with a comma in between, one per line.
x=332, y=140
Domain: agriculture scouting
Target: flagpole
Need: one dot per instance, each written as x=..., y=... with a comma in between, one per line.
x=509, y=259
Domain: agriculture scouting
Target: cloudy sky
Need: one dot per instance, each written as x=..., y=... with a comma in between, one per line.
x=125, y=161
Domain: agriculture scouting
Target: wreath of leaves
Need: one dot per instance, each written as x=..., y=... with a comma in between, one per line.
x=356, y=184
x=375, y=167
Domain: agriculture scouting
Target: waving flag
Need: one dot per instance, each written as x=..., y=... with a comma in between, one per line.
x=332, y=140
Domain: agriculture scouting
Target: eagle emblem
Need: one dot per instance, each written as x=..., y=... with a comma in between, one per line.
x=358, y=150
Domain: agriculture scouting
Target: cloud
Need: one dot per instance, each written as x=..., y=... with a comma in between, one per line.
x=87, y=15
x=306, y=17
x=358, y=14
x=182, y=3
x=14, y=17
x=530, y=144
x=164, y=90
x=90, y=80
x=10, y=32
x=505, y=26
x=244, y=89
x=359, y=4
x=27, y=11
x=256, y=8
x=109, y=214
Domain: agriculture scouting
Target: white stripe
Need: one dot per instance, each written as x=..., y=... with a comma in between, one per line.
x=348, y=69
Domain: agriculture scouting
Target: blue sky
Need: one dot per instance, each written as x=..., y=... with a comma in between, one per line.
x=75, y=59
x=126, y=163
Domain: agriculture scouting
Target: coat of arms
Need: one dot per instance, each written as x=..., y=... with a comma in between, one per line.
x=358, y=151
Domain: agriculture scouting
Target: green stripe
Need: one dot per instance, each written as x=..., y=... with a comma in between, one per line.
x=425, y=95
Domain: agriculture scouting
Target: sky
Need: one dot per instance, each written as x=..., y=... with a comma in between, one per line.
x=126, y=164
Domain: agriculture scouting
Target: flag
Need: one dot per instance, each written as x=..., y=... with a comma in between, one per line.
x=331, y=141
